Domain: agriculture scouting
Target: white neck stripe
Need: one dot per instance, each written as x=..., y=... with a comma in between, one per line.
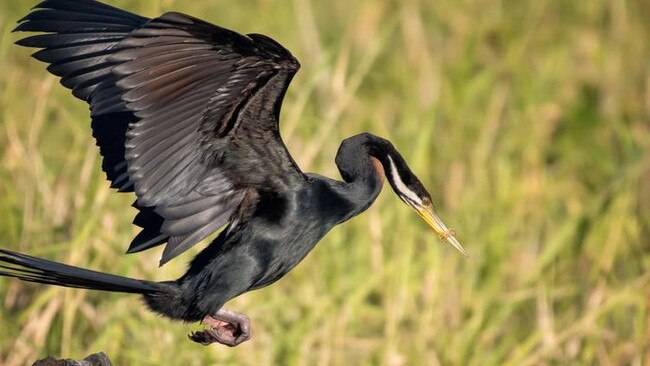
x=399, y=184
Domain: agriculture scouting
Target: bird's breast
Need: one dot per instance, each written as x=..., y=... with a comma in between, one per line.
x=284, y=231
x=278, y=250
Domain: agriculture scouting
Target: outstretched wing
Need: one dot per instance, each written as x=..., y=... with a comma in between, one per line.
x=200, y=107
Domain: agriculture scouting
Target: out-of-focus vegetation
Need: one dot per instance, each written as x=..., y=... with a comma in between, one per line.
x=528, y=120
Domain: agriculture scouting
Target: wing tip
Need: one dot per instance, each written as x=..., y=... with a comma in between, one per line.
x=138, y=245
x=169, y=255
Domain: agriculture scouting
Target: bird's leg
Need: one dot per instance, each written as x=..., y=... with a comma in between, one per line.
x=226, y=327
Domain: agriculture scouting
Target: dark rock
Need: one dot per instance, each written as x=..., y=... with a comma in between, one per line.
x=96, y=359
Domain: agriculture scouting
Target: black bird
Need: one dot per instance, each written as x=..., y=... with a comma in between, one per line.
x=185, y=114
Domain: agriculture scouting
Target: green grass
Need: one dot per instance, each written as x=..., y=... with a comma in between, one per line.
x=528, y=120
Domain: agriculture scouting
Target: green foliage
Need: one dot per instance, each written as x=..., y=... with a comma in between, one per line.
x=529, y=121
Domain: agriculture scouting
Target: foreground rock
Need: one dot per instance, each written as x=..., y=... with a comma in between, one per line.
x=96, y=359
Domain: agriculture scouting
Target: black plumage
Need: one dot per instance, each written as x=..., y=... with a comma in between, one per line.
x=186, y=115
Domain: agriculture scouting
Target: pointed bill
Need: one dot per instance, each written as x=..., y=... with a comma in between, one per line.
x=429, y=215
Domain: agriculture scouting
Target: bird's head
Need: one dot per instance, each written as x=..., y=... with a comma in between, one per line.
x=409, y=188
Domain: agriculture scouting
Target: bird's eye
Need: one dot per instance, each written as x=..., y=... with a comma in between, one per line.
x=426, y=200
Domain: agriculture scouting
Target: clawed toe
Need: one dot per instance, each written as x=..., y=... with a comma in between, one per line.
x=202, y=337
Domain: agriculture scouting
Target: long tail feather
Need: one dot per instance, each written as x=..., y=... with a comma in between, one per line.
x=32, y=269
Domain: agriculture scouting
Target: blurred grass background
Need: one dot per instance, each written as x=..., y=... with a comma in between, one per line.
x=528, y=120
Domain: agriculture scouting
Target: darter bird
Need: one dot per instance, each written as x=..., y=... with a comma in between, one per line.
x=185, y=115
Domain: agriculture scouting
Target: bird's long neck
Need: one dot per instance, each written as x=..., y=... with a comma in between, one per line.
x=362, y=172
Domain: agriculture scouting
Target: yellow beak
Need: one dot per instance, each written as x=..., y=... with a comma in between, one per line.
x=429, y=215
